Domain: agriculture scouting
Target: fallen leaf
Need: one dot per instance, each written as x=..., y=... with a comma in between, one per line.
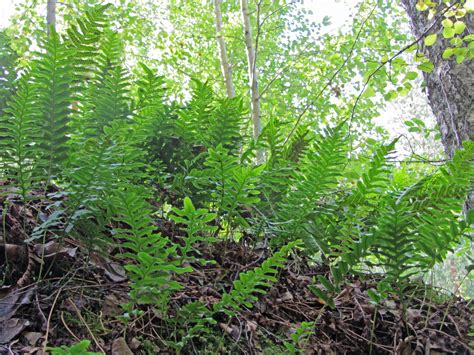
x=32, y=337
x=11, y=328
x=112, y=270
x=53, y=248
x=120, y=347
x=134, y=344
x=13, y=299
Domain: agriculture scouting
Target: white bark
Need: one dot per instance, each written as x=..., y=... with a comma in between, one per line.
x=225, y=66
x=253, y=80
x=51, y=15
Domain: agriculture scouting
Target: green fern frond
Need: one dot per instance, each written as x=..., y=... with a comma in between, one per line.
x=52, y=74
x=153, y=254
x=319, y=176
x=19, y=156
x=254, y=282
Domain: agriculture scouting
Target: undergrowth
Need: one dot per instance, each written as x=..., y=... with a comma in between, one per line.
x=123, y=154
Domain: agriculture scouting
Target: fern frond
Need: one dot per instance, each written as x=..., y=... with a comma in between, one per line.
x=319, y=176
x=53, y=77
x=19, y=156
x=254, y=282
x=153, y=254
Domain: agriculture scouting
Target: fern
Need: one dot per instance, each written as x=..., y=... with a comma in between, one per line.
x=346, y=237
x=8, y=72
x=254, y=282
x=53, y=76
x=19, y=156
x=210, y=121
x=319, y=176
x=233, y=187
x=79, y=348
x=196, y=222
x=153, y=254
x=149, y=108
x=83, y=39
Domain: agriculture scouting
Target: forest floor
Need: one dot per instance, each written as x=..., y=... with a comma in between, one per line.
x=80, y=298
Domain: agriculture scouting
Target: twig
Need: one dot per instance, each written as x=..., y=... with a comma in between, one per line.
x=307, y=107
x=45, y=343
x=85, y=324
x=67, y=328
x=389, y=61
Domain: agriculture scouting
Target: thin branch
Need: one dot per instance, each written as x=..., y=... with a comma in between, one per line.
x=401, y=51
x=307, y=107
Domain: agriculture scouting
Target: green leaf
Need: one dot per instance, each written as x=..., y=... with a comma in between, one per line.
x=323, y=296
x=421, y=6
x=447, y=23
x=411, y=75
x=374, y=295
x=459, y=27
x=448, y=32
x=427, y=67
x=460, y=59
x=448, y=52
x=430, y=39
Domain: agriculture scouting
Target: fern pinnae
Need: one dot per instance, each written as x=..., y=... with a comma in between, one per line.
x=19, y=154
x=53, y=77
x=254, y=281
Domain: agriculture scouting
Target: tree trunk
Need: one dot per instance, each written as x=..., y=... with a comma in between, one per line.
x=226, y=69
x=51, y=15
x=253, y=80
x=450, y=85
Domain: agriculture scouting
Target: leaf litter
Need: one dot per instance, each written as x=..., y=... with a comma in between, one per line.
x=81, y=299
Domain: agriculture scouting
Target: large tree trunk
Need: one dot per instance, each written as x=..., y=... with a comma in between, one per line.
x=450, y=86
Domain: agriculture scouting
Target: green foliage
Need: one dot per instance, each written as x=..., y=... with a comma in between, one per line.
x=153, y=254
x=53, y=78
x=196, y=222
x=254, y=282
x=8, y=73
x=113, y=140
x=232, y=186
x=19, y=127
x=210, y=121
x=317, y=178
x=296, y=345
x=76, y=349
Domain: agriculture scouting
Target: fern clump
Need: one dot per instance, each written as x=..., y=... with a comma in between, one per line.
x=154, y=255
x=197, y=228
x=315, y=181
x=233, y=187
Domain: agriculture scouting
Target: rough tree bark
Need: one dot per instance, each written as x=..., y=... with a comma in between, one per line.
x=225, y=66
x=450, y=86
x=51, y=15
x=253, y=79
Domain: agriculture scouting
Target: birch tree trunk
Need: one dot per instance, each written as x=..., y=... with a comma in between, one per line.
x=253, y=80
x=51, y=15
x=225, y=66
x=450, y=85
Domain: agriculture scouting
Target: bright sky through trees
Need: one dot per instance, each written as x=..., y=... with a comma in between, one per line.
x=338, y=10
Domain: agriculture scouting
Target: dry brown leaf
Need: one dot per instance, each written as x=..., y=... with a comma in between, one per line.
x=11, y=328
x=32, y=337
x=120, y=347
x=13, y=299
